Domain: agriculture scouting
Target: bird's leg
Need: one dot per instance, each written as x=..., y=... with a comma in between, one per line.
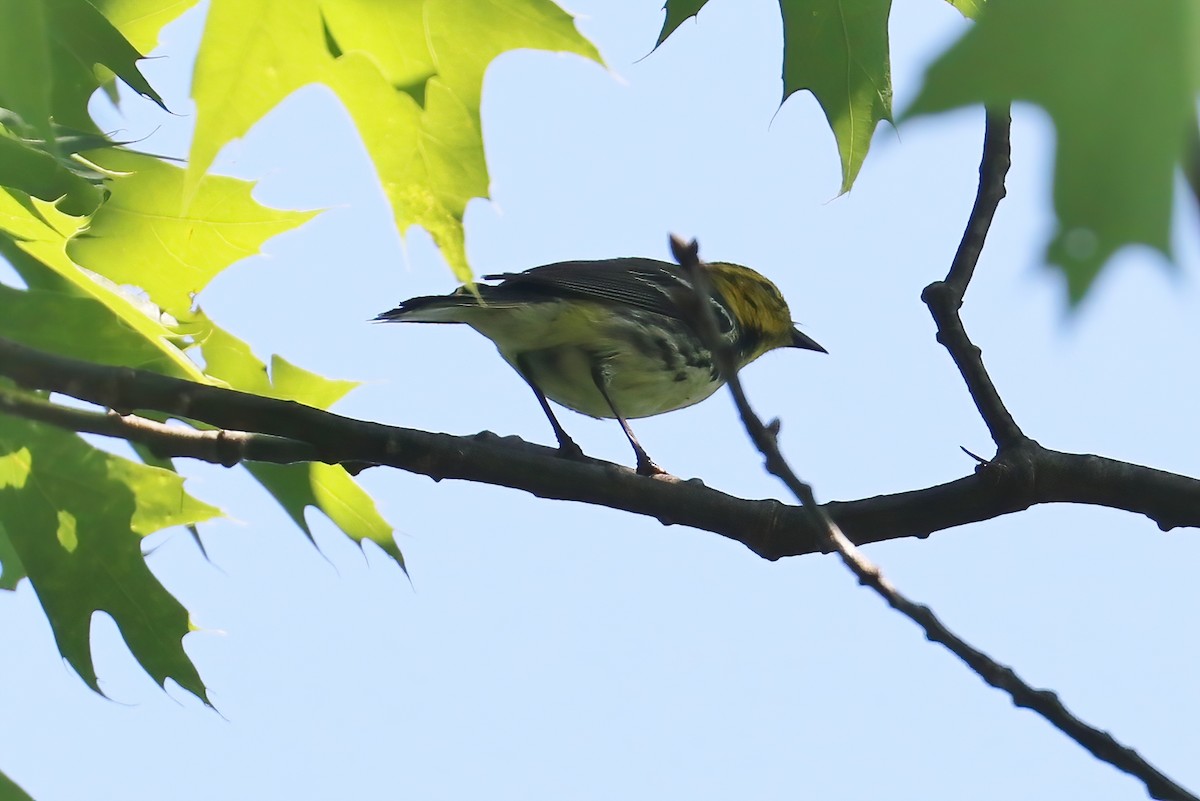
x=566, y=445
x=645, y=465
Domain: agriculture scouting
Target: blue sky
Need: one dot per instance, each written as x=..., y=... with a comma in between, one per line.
x=550, y=650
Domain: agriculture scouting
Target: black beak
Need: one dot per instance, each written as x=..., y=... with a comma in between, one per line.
x=802, y=340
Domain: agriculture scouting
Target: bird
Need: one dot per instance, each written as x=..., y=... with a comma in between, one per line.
x=616, y=338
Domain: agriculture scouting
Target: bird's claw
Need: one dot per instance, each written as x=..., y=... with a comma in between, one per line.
x=569, y=450
x=646, y=467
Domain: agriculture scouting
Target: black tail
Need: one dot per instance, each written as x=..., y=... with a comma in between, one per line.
x=431, y=309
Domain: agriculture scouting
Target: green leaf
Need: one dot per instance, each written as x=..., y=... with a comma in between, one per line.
x=391, y=34
x=968, y=8
x=48, y=54
x=75, y=516
x=37, y=172
x=27, y=220
x=839, y=51
x=230, y=359
x=331, y=489
x=143, y=235
x=428, y=160
x=296, y=383
x=81, y=327
x=254, y=54
x=9, y=791
x=11, y=569
x=87, y=38
x=678, y=12
x=33, y=237
x=1118, y=80
x=296, y=487
x=25, y=64
x=141, y=20
x=409, y=72
x=465, y=36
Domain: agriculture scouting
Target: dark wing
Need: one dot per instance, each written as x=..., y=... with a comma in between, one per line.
x=641, y=283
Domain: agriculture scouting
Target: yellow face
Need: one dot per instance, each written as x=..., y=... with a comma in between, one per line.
x=760, y=309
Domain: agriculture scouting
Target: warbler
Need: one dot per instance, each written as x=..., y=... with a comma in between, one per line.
x=615, y=338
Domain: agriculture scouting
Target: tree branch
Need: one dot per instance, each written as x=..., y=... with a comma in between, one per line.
x=1008, y=436
x=218, y=446
x=1046, y=471
x=945, y=298
x=1013, y=481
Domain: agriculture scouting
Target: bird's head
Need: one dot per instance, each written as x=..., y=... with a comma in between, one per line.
x=761, y=319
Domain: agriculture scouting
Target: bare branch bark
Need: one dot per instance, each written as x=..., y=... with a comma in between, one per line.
x=1024, y=475
x=945, y=298
x=217, y=446
x=1098, y=742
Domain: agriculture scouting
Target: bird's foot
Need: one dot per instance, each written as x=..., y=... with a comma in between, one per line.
x=567, y=449
x=647, y=467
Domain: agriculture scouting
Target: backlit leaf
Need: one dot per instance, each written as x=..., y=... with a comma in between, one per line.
x=968, y=8
x=33, y=237
x=296, y=487
x=141, y=20
x=410, y=74
x=48, y=54
x=146, y=236
x=37, y=172
x=332, y=490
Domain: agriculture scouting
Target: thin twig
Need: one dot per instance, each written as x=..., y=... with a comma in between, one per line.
x=222, y=447
x=944, y=298
x=1045, y=703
